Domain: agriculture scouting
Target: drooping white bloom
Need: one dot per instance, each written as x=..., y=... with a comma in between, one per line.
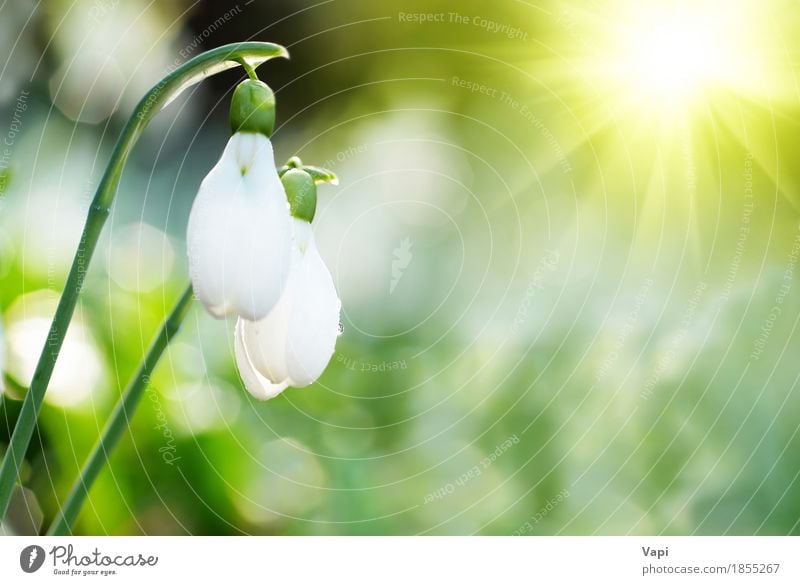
x=294, y=343
x=239, y=234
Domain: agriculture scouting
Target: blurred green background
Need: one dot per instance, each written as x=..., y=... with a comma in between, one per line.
x=567, y=265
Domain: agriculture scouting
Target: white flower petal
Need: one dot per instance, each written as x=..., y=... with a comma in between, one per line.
x=239, y=233
x=265, y=247
x=206, y=222
x=293, y=344
x=265, y=339
x=314, y=321
x=256, y=384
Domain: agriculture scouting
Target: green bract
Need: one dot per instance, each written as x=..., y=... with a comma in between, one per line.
x=319, y=174
x=301, y=191
x=253, y=108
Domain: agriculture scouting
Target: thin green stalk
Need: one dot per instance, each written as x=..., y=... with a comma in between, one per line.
x=191, y=72
x=120, y=418
x=251, y=72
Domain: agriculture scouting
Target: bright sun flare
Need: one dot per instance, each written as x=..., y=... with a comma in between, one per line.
x=674, y=59
x=670, y=56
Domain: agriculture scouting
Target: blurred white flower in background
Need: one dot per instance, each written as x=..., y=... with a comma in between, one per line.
x=95, y=41
x=79, y=374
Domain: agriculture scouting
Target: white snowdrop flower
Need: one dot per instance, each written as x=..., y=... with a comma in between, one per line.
x=294, y=343
x=239, y=233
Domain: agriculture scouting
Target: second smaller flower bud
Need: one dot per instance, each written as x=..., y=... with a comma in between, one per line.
x=253, y=108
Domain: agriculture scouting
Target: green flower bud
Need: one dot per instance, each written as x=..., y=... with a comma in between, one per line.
x=301, y=191
x=253, y=108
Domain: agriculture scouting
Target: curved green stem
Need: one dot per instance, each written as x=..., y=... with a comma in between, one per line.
x=120, y=418
x=188, y=74
x=251, y=72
